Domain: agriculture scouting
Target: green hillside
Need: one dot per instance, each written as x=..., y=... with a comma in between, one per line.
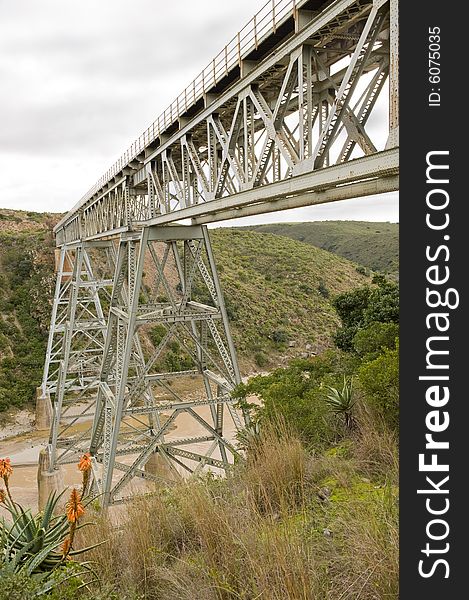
x=278, y=293
x=374, y=245
x=26, y=282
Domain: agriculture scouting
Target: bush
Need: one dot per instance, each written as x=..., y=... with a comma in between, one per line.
x=18, y=586
x=362, y=307
x=279, y=336
x=261, y=359
x=294, y=396
x=323, y=290
x=380, y=381
x=156, y=334
x=372, y=340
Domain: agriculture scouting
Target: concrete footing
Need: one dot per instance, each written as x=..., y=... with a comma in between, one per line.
x=43, y=410
x=47, y=481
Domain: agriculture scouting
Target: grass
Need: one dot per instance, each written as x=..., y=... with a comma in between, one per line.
x=278, y=292
x=287, y=525
x=373, y=245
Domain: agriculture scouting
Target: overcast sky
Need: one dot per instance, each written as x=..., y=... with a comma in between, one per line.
x=80, y=80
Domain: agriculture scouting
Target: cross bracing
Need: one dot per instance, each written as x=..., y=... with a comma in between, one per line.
x=280, y=120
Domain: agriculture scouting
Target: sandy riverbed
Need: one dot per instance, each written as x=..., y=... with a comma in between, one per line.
x=24, y=444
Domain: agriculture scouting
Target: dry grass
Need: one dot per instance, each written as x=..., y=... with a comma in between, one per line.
x=258, y=534
x=375, y=446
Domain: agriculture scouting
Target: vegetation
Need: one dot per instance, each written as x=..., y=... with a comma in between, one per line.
x=341, y=402
x=26, y=279
x=364, y=312
x=312, y=510
x=372, y=245
x=36, y=550
x=311, y=513
x=287, y=524
x=278, y=292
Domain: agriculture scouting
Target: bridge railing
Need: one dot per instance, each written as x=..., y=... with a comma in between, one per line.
x=264, y=23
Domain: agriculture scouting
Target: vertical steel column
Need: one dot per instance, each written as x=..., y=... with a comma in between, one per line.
x=393, y=139
x=53, y=320
x=68, y=334
x=125, y=338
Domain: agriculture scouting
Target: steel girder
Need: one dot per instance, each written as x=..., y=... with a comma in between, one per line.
x=301, y=109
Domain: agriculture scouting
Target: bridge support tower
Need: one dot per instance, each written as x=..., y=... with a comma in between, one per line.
x=145, y=361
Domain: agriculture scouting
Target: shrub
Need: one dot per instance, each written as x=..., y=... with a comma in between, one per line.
x=370, y=341
x=293, y=395
x=261, y=359
x=361, y=307
x=380, y=381
x=279, y=336
x=323, y=290
x=156, y=334
x=362, y=270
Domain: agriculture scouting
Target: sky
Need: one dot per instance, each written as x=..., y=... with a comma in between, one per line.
x=80, y=80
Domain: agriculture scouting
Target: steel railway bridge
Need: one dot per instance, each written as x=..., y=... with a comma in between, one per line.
x=277, y=120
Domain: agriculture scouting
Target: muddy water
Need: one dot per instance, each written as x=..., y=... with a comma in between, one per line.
x=24, y=449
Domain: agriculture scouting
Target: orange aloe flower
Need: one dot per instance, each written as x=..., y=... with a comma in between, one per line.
x=74, y=507
x=85, y=467
x=5, y=471
x=5, y=468
x=85, y=462
x=66, y=546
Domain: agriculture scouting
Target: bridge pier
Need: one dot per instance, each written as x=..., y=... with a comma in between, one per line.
x=49, y=479
x=43, y=418
x=158, y=466
x=160, y=292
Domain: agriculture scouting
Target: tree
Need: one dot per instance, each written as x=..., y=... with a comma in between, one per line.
x=361, y=307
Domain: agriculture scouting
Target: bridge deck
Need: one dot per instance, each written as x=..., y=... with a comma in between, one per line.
x=258, y=58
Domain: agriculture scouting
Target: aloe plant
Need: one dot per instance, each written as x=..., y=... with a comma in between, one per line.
x=249, y=436
x=40, y=546
x=37, y=584
x=35, y=539
x=341, y=401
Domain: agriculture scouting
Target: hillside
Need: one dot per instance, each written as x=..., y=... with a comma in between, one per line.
x=277, y=292
x=26, y=282
x=373, y=245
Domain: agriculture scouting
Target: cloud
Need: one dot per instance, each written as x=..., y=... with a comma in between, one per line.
x=82, y=79
x=384, y=207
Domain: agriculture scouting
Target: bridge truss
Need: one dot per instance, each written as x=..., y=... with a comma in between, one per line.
x=278, y=120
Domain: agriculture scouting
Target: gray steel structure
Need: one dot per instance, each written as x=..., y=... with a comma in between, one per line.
x=277, y=120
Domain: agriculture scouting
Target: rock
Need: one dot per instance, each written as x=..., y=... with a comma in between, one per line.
x=324, y=493
x=327, y=532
